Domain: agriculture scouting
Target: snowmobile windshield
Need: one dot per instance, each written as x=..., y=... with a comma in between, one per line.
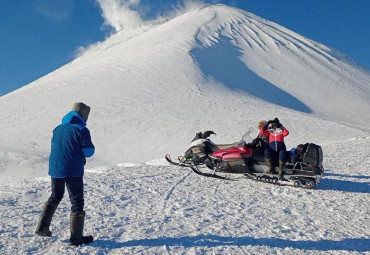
x=246, y=138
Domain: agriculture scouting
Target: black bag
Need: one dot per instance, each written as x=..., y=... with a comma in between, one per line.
x=313, y=155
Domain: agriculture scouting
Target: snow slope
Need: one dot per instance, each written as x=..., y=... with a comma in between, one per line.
x=213, y=68
x=150, y=90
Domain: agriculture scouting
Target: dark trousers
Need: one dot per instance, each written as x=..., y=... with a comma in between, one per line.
x=271, y=152
x=75, y=189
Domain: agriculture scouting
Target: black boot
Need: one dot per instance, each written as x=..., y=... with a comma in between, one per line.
x=269, y=162
x=77, y=226
x=45, y=219
x=281, y=168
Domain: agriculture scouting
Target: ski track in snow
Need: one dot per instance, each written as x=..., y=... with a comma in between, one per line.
x=156, y=208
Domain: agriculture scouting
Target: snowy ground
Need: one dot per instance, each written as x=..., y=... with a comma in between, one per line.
x=155, y=208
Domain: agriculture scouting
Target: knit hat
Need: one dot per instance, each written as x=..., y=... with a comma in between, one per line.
x=81, y=109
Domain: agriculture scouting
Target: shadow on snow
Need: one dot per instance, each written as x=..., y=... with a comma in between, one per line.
x=349, y=176
x=351, y=244
x=222, y=62
x=344, y=185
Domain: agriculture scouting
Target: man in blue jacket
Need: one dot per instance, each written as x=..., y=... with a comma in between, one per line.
x=70, y=145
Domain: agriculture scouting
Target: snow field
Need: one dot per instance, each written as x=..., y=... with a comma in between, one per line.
x=156, y=208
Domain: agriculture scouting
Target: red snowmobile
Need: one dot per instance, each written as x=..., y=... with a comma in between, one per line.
x=303, y=169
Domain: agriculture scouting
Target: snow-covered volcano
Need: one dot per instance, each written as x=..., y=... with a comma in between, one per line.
x=216, y=68
x=150, y=90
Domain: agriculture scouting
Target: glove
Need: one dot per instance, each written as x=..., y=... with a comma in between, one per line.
x=276, y=120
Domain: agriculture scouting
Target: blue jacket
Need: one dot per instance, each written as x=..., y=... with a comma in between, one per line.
x=70, y=144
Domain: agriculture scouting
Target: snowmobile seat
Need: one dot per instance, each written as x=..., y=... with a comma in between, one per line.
x=227, y=146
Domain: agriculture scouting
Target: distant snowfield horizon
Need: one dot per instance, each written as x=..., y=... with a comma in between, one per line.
x=150, y=90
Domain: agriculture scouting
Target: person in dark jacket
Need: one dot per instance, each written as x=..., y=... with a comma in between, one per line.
x=276, y=149
x=261, y=141
x=70, y=145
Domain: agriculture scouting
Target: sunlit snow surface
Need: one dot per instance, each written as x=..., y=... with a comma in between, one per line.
x=150, y=91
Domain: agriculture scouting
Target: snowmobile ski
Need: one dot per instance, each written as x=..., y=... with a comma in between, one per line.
x=193, y=167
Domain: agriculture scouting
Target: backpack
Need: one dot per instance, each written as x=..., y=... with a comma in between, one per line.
x=313, y=155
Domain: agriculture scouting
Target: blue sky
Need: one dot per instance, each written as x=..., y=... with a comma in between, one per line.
x=39, y=36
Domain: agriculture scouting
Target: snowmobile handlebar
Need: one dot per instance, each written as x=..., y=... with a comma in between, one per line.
x=203, y=135
x=207, y=134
